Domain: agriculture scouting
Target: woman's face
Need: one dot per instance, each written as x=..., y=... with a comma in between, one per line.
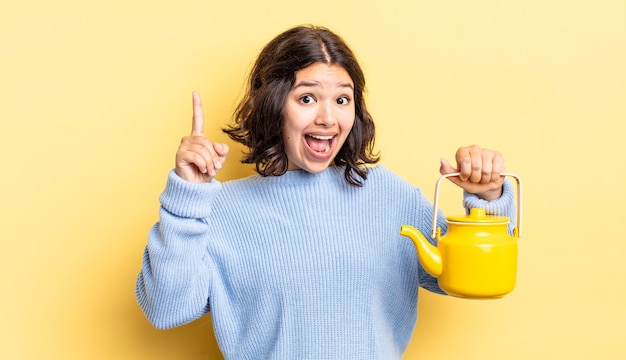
x=319, y=114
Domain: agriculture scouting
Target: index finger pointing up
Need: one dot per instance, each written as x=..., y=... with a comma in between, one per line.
x=197, y=123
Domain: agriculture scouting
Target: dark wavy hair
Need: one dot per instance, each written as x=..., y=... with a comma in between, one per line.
x=258, y=119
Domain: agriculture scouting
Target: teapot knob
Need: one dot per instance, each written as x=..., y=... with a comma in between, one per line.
x=477, y=213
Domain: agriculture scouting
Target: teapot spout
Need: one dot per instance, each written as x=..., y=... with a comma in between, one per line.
x=429, y=255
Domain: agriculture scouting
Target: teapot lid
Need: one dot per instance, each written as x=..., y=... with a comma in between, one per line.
x=479, y=215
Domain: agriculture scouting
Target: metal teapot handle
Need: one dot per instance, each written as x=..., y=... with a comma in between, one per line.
x=518, y=224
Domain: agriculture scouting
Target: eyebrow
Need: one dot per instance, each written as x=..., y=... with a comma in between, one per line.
x=317, y=84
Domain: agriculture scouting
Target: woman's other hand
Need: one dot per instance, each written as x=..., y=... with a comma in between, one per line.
x=198, y=159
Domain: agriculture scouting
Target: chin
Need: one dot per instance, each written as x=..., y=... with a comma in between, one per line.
x=316, y=167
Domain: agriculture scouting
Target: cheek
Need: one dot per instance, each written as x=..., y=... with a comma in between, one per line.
x=347, y=122
x=293, y=120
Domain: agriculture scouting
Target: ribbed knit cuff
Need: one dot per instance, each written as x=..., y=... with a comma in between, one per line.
x=499, y=207
x=186, y=199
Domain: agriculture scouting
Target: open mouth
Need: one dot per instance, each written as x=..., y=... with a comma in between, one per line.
x=321, y=144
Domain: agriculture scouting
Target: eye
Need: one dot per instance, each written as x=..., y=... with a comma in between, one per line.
x=306, y=99
x=344, y=100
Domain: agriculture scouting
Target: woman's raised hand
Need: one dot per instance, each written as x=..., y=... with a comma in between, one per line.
x=198, y=159
x=479, y=170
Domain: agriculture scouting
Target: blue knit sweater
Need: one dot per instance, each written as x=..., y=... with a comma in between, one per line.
x=298, y=266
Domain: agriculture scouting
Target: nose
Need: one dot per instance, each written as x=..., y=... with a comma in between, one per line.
x=325, y=115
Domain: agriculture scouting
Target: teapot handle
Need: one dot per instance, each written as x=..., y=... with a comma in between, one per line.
x=518, y=224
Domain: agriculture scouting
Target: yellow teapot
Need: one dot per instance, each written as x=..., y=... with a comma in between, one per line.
x=476, y=258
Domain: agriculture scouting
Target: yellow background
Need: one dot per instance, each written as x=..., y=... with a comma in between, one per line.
x=94, y=97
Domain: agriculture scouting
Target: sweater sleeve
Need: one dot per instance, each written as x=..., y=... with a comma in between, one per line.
x=504, y=206
x=174, y=283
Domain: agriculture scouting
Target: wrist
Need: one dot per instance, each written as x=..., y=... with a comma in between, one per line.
x=490, y=195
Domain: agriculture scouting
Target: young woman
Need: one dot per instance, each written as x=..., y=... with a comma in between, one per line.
x=303, y=260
